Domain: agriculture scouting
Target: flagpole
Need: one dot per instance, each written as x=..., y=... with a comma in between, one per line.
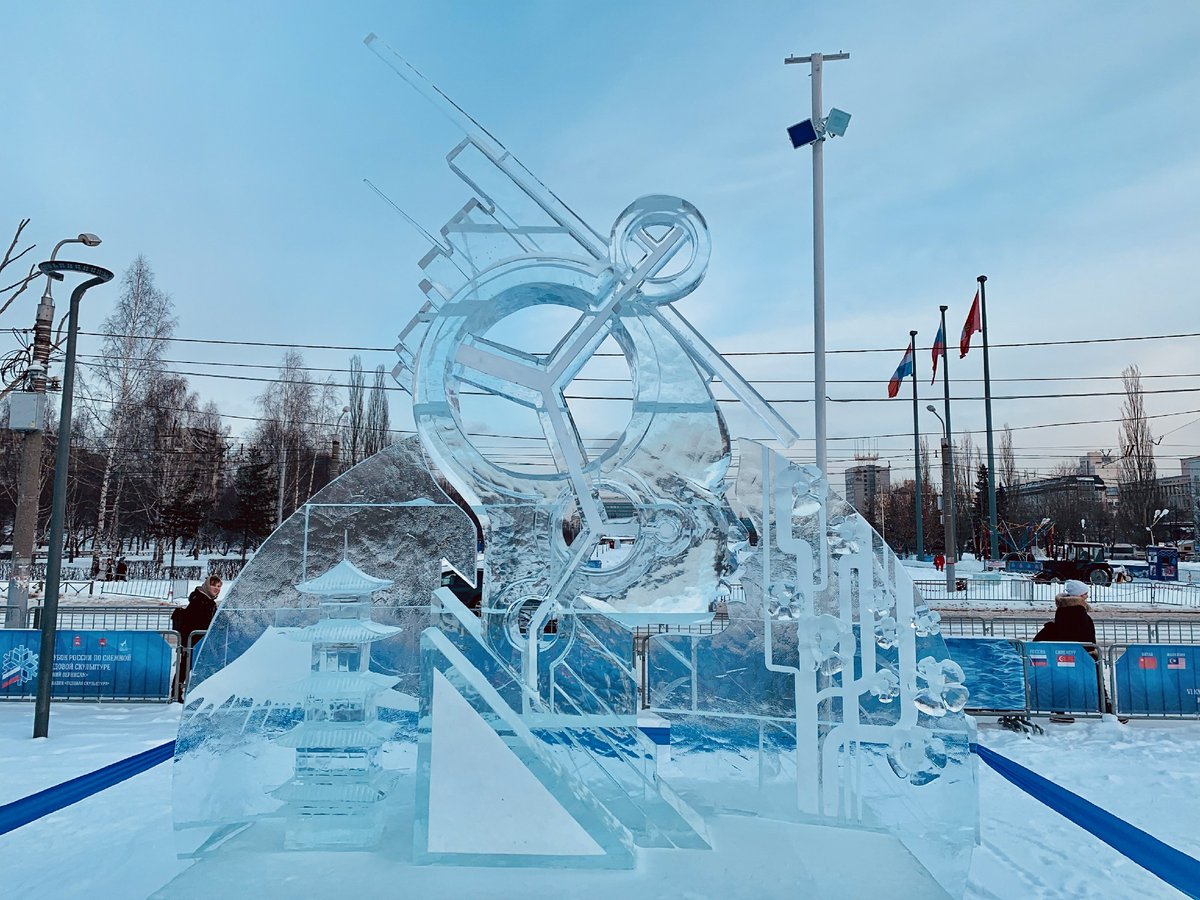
x=994, y=545
x=912, y=348
x=949, y=495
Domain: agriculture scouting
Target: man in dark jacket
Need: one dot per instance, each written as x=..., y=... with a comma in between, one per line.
x=186, y=620
x=1071, y=619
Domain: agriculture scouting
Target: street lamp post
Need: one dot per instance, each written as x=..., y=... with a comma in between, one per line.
x=1159, y=515
x=29, y=479
x=58, y=505
x=947, y=501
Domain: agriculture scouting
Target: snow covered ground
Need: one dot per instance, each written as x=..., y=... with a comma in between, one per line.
x=118, y=844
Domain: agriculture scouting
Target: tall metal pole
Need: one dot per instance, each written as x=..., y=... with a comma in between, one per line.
x=58, y=506
x=948, y=454
x=817, y=60
x=994, y=544
x=917, y=501
x=818, y=162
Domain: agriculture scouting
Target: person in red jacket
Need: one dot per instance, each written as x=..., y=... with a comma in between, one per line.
x=939, y=562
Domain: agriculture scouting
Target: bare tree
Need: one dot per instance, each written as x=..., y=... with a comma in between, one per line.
x=378, y=431
x=357, y=423
x=1008, y=459
x=1138, y=494
x=135, y=337
x=10, y=291
x=289, y=414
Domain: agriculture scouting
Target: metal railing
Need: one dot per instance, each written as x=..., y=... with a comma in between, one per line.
x=117, y=618
x=1108, y=631
x=1167, y=593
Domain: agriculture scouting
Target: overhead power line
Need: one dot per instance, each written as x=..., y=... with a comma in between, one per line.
x=739, y=353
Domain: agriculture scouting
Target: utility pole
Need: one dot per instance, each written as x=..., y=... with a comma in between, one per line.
x=29, y=479
x=817, y=61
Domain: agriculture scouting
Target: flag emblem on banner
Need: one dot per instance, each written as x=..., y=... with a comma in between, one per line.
x=78, y=642
x=103, y=642
x=1038, y=661
x=1176, y=662
x=973, y=324
x=902, y=371
x=1066, y=660
x=1147, y=662
x=939, y=349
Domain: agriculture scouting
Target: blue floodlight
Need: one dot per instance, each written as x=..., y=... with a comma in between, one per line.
x=836, y=122
x=803, y=134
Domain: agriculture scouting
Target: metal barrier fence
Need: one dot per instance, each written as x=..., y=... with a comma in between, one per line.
x=150, y=588
x=1025, y=589
x=121, y=618
x=1108, y=630
x=1007, y=677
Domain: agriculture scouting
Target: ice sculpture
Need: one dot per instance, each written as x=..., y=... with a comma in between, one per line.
x=686, y=658
x=334, y=797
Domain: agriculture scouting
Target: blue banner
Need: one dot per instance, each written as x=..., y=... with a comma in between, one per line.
x=1159, y=680
x=88, y=665
x=993, y=672
x=1063, y=677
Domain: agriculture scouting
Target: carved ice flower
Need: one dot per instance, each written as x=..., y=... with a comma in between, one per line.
x=917, y=756
x=783, y=602
x=884, y=685
x=926, y=621
x=940, y=688
x=887, y=633
x=825, y=641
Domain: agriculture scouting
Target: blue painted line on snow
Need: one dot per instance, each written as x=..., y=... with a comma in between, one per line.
x=28, y=809
x=1173, y=866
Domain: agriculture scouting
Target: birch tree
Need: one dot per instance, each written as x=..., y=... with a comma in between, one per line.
x=135, y=337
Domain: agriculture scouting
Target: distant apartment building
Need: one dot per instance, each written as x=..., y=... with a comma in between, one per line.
x=865, y=482
x=1079, y=486
x=1106, y=467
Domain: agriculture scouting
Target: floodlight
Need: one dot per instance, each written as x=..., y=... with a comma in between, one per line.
x=89, y=240
x=803, y=134
x=836, y=122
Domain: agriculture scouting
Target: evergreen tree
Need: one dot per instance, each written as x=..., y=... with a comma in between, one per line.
x=254, y=509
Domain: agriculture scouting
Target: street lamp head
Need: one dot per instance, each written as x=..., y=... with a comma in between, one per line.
x=345, y=409
x=929, y=406
x=89, y=239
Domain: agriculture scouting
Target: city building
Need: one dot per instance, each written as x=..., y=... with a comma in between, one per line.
x=865, y=482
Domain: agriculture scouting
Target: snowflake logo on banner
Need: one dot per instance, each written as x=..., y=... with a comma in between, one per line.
x=20, y=666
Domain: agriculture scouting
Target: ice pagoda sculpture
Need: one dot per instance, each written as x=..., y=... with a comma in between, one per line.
x=672, y=587
x=335, y=796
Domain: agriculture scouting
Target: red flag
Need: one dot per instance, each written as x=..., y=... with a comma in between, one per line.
x=973, y=324
x=939, y=349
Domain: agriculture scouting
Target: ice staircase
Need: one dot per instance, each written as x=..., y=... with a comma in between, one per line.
x=602, y=748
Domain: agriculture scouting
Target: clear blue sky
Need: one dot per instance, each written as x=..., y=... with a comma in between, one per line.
x=1050, y=146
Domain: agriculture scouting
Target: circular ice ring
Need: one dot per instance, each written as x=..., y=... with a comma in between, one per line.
x=632, y=239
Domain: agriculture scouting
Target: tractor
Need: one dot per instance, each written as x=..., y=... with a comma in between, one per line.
x=1085, y=562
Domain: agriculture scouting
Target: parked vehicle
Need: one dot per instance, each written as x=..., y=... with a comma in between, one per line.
x=1082, y=561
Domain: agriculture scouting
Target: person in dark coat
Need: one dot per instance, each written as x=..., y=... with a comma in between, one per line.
x=186, y=620
x=1071, y=619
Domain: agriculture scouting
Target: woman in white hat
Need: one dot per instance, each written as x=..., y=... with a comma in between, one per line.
x=1071, y=619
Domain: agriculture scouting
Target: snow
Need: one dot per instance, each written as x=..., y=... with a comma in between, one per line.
x=119, y=843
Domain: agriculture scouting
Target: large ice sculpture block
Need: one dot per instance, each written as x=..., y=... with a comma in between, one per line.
x=671, y=579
